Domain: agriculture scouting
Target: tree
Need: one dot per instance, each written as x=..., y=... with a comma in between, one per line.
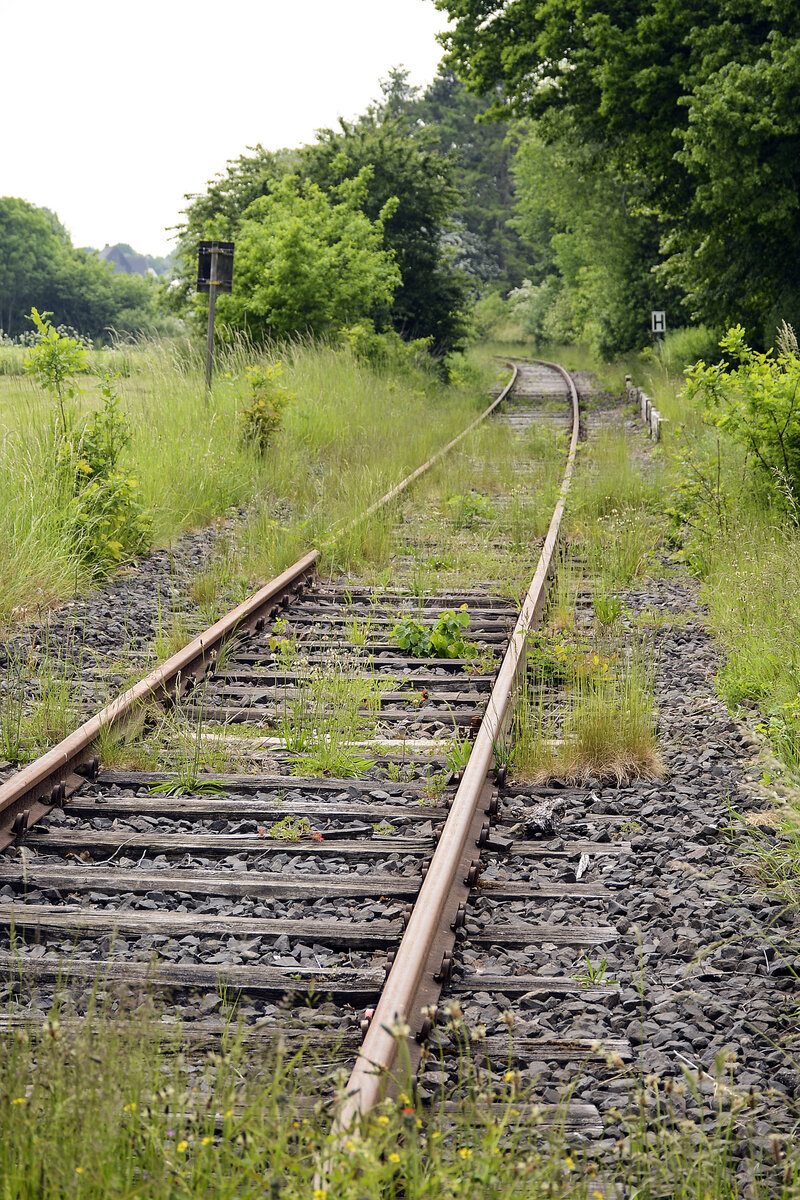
x=39, y=267
x=596, y=249
x=309, y=262
x=692, y=105
x=482, y=152
x=405, y=165
x=33, y=244
x=221, y=208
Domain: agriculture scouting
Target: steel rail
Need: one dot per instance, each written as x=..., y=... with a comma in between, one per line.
x=409, y=479
x=379, y=1050
x=42, y=783
x=36, y=779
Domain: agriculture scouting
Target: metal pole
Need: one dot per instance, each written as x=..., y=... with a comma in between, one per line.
x=212, y=304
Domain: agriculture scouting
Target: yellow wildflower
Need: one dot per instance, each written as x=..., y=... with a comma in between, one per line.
x=182, y=1146
x=19, y=1100
x=465, y=1152
x=394, y=1156
x=206, y=1141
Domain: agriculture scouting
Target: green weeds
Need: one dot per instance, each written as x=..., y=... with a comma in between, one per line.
x=120, y=1105
x=444, y=639
x=601, y=724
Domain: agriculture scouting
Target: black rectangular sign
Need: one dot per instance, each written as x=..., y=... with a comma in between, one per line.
x=223, y=252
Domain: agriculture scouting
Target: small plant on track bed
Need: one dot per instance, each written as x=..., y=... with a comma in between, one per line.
x=445, y=639
x=603, y=725
x=293, y=829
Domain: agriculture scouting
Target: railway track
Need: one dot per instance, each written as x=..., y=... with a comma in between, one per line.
x=377, y=908
x=276, y=884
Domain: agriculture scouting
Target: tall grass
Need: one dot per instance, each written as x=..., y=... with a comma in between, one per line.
x=351, y=434
x=602, y=724
x=615, y=509
x=122, y=1105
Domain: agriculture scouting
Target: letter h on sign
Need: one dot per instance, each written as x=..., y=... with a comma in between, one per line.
x=658, y=322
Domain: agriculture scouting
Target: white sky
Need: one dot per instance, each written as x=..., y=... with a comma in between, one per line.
x=113, y=110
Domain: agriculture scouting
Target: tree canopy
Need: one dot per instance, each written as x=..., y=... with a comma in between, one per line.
x=309, y=261
x=406, y=191
x=690, y=106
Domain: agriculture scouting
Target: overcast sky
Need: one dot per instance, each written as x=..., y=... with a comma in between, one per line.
x=113, y=111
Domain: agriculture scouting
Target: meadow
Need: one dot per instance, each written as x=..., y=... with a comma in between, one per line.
x=349, y=433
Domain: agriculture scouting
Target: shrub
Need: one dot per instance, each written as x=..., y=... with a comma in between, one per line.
x=55, y=359
x=104, y=520
x=757, y=403
x=261, y=417
x=387, y=350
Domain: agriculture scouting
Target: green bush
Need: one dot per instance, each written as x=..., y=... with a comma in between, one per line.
x=104, y=521
x=757, y=403
x=682, y=348
x=261, y=417
x=387, y=350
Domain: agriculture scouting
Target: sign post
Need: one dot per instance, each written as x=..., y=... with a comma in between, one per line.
x=214, y=274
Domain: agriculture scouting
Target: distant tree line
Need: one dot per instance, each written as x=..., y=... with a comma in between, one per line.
x=398, y=219
x=40, y=267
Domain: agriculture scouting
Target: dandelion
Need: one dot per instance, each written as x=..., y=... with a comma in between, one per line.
x=320, y=1193
x=182, y=1146
x=79, y=1170
x=394, y=1157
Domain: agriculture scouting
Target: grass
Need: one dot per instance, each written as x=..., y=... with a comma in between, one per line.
x=118, y=1106
x=325, y=717
x=743, y=544
x=615, y=513
x=38, y=702
x=336, y=451
x=602, y=726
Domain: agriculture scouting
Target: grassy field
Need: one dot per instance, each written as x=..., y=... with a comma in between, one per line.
x=350, y=434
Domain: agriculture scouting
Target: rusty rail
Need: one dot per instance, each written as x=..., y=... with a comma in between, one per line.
x=415, y=956
x=31, y=792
